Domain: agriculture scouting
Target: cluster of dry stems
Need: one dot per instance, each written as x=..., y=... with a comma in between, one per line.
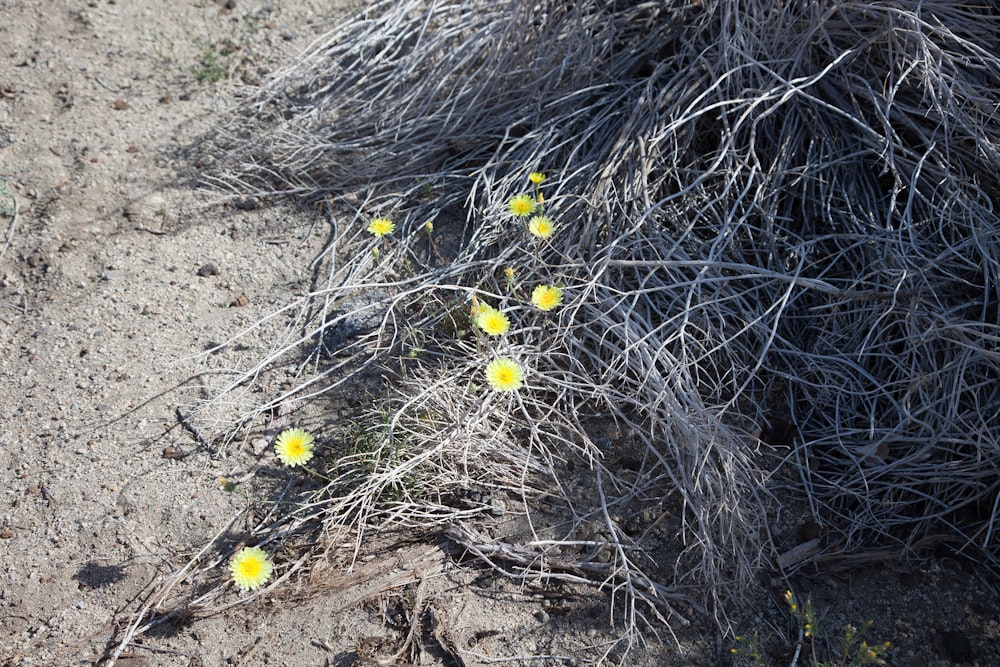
x=775, y=213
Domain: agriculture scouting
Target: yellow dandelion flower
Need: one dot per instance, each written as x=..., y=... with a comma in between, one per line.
x=294, y=447
x=492, y=321
x=521, y=206
x=429, y=227
x=508, y=274
x=504, y=374
x=541, y=227
x=536, y=177
x=546, y=297
x=251, y=568
x=380, y=227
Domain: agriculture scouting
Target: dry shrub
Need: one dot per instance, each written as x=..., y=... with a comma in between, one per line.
x=769, y=213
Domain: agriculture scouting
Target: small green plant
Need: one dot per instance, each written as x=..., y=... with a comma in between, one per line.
x=211, y=67
x=163, y=50
x=852, y=650
x=749, y=647
x=415, y=343
x=374, y=453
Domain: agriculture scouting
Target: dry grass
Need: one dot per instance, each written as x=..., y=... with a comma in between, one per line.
x=768, y=213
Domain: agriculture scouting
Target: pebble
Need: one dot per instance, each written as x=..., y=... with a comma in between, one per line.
x=172, y=453
x=208, y=269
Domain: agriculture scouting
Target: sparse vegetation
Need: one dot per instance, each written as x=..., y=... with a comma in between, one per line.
x=211, y=67
x=761, y=214
x=820, y=650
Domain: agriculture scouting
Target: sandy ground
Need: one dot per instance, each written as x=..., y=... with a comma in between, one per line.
x=107, y=305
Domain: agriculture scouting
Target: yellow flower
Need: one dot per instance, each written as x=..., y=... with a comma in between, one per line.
x=508, y=273
x=521, y=206
x=546, y=297
x=380, y=227
x=541, y=227
x=294, y=447
x=429, y=227
x=492, y=321
x=251, y=568
x=504, y=374
x=536, y=177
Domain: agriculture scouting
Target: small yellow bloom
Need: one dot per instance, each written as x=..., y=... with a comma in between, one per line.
x=508, y=273
x=380, y=227
x=294, y=447
x=429, y=227
x=504, y=374
x=251, y=568
x=521, y=206
x=536, y=177
x=541, y=227
x=492, y=321
x=546, y=297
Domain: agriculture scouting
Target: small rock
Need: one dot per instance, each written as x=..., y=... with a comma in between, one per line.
x=172, y=453
x=6, y=533
x=354, y=317
x=208, y=269
x=246, y=204
x=166, y=99
x=36, y=259
x=120, y=105
x=241, y=301
x=132, y=148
